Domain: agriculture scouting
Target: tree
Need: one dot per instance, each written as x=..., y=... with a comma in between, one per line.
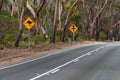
x=67, y=19
x=21, y=29
x=36, y=15
x=54, y=22
x=1, y=3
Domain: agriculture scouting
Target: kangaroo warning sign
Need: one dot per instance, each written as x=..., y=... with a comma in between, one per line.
x=29, y=23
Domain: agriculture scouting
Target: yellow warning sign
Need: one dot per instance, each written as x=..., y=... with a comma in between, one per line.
x=73, y=28
x=29, y=23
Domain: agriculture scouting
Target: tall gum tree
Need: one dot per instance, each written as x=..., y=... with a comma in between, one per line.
x=36, y=14
x=1, y=3
x=21, y=29
x=67, y=19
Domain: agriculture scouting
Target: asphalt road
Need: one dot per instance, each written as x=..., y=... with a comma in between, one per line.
x=91, y=62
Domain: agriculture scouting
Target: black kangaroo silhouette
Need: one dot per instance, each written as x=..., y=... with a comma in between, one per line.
x=29, y=22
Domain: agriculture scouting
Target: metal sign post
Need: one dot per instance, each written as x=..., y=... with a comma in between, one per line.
x=29, y=39
x=73, y=37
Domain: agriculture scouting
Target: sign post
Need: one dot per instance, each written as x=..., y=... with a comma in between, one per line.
x=73, y=29
x=73, y=37
x=29, y=39
x=29, y=23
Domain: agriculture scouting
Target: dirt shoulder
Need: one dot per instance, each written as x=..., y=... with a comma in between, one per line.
x=16, y=55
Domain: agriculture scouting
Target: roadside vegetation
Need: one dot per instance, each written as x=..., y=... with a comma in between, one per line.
x=97, y=20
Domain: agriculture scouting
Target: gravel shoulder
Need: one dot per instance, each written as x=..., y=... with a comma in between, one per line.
x=17, y=55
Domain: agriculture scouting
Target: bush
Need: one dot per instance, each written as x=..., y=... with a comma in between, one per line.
x=8, y=29
x=39, y=39
x=36, y=38
x=9, y=39
x=102, y=35
x=23, y=44
x=81, y=37
x=68, y=5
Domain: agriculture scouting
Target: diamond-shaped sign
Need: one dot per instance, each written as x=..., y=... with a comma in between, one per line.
x=73, y=28
x=29, y=23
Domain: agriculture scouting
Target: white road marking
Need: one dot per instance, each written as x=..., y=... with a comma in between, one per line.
x=89, y=53
x=76, y=60
x=55, y=71
x=58, y=68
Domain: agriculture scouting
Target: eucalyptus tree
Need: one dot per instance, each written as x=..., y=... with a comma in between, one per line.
x=68, y=18
x=21, y=29
x=1, y=3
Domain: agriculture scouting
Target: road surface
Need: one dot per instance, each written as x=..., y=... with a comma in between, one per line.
x=91, y=62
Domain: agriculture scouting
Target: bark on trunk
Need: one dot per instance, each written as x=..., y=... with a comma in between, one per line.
x=54, y=23
x=1, y=2
x=92, y=26
x=20, y=29
x=18, y=7
x=60, y=11
x=13, y=7
x=67, y=19
x=18, y=38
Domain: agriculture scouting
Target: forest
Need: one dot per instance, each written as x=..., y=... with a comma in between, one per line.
x=97, y=20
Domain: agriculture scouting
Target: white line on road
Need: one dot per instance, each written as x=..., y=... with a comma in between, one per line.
x=55, y=71
x=76, y=60
x=58, y=68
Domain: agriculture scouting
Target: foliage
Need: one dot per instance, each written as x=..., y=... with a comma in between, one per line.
x=32, y=5
x=9, y=37
x=39, y=39
x=8, y=29
x=81, y=38
x=84, y=16
x=102, y=35
x=36, y=38
x=68, y=5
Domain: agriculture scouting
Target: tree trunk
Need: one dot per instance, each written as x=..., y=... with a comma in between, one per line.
x=67, y=19
x=98, y=28
x=18, y=7
x=54, y=23
x=92, y=25
x=20, y=28
x=31, y=9
x=37, y=24
x=1, y=2
x=60, y=11
x=18, y=38
x=13, y=7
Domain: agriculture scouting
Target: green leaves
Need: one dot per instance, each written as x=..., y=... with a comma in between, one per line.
x=9, y=37
x=102, y=35
x=68, y=5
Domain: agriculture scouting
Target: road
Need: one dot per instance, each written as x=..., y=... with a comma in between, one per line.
x=90, y=62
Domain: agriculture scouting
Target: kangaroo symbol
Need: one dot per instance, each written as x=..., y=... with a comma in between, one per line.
x=29, y=22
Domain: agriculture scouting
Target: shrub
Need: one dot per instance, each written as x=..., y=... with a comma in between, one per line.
x=39, y=39
x=68, y=5
x=9, y=39
x=81, y=37
x=102, y=35
x=8, y=29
